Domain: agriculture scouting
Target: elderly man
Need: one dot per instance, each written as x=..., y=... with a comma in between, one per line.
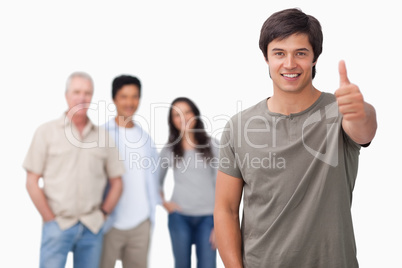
x=75, y=159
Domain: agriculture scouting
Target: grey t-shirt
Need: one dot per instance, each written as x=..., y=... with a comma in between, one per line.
x=194, y=179
x=299, y=172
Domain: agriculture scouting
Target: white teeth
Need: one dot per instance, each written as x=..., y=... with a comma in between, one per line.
x=291, y=75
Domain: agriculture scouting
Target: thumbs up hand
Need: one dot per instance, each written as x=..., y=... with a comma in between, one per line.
x=359, y=117
x=350, y=100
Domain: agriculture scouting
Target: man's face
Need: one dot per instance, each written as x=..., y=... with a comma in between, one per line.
x=127, y=100
x=79, y=95
x=290, y=63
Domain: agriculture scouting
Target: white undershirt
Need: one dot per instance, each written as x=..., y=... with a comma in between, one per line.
x=133, y=207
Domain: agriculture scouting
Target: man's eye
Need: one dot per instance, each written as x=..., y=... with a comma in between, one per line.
x=301, y=54
x=279, y=53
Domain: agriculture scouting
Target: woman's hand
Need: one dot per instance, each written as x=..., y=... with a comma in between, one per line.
x=171, y=207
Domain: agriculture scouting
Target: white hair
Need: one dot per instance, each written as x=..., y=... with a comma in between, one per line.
x=81, y=75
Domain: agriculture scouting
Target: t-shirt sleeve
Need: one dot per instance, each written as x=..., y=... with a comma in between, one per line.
x=35, y=159
x=154, y=161
x=153, y=181
x=164, y=162
x=227, y=153
x=351, y=154
x=114, y=166
x=214, y=164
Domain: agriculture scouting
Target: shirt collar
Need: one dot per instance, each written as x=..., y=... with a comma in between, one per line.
x=65, y=121
x=111, y=125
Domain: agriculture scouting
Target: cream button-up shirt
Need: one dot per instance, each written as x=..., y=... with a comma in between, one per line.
x=75, y=169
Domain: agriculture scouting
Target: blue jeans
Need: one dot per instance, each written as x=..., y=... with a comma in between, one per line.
x=56, y=244
x=187, y=230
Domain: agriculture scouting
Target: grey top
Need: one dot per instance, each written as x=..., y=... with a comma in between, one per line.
x=194, y=179
x=299, y=172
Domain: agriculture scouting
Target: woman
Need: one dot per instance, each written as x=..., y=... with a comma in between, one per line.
x=192, y=155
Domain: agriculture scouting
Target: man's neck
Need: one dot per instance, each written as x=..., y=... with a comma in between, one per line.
x=122, y=121
x=292, y=102
x=79, y=121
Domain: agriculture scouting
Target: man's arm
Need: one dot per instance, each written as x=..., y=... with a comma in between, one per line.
x=362, y=130
x=226, y=219
x=113, y=196
x=359, y=117
x=38, y=197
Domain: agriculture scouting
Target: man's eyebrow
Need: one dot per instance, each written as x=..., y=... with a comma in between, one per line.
x=299, y=49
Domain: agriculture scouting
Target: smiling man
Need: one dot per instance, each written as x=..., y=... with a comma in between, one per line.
x=296, y=214
x=128, y=228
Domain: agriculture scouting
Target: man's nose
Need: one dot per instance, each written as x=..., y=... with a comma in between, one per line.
x=290, y=62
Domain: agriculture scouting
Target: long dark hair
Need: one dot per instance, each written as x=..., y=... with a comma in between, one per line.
x=201, y=137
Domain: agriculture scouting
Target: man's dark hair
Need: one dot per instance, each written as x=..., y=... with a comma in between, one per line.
x=283, y=24
x=124, y=80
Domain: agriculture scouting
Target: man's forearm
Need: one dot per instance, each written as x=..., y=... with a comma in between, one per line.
x=228, y=238
x=113, y=196
x=362, y=131
x=38, y=197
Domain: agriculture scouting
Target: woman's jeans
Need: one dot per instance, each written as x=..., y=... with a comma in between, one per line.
x=187, y=230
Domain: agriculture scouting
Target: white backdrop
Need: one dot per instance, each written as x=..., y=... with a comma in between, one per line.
x=207, y=51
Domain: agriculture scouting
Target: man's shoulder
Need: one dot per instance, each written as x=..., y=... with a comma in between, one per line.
x=141, y=130
x=255, y=110
x=109, y=125
x=49, y=125
x=327, y=98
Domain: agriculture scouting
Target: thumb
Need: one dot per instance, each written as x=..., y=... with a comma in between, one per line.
x=343, y=75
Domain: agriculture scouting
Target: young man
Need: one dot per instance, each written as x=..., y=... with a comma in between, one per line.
x=71, y=156
x=295, y=156
x=129, y=237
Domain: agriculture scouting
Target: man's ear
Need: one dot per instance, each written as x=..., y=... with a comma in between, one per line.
x=269, y=71
x=315, y=62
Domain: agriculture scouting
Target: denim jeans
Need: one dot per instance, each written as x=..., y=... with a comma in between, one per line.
x=187, y=230
x=56, y=244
